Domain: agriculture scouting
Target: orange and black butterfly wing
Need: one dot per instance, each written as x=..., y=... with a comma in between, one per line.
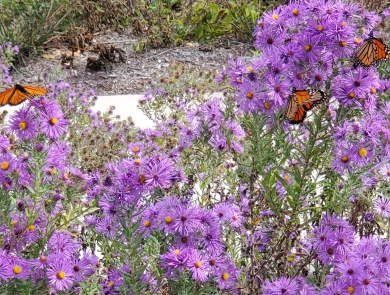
x=299, y=116
x=24, y=92
x=382, y=51
x=309, y=98
x=6, y=95
x=366, y=55
x=295, y=113
x=302, y=101
x=35, y=90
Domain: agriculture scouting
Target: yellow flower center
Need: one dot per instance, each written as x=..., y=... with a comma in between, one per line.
x=43, y=259
x=17, y=269
x=250, y=95
x=225, y=276
x=23, y=125
x=388, y=173
x=320, y=28
x=110, y=284
x=373, y=90
x=137, y=161
x=257, y=221
x=350, y=289
x=351, y=95
x=177, y=251
x=343, y=23
x=31, y=227
x=168, y=219
x=147, y=223
x=14, y=222
x=344, y=159
x=275, y=16
x=5, y=165
x=343, y=43
x=235, y=217
x=198, y=264
x=286, y=178
x=249, y=69
x=308, y=47
x=357, y=41
x=362, y=152
x=136, y=149
x=267, y=105
x=295, y=12
x=53, y=121
x=66, y=175
x=60, y=275
x=291, y=258
x=52, y=171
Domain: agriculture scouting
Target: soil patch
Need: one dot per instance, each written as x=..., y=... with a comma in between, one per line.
x=130, y=76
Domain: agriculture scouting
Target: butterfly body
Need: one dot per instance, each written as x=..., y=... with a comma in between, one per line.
x=300, y=102
x=371, y=52
x=19, y=93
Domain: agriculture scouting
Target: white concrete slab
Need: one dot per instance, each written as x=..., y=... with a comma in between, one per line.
x=125, y=106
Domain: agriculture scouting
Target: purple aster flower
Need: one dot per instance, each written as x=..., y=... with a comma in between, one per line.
x=236, y=147
x=269, y=40
x=107, y=227
x=343, y=239
x=18, y=268
x=310, y=50
x=249, y=95
x=80, y=269
x=350, y=269
x=166, y=219
x=369, y=283
x=282, y=286
x=368, y=217
x=384, y=258
x=218, y=141
x=4, y=144
x=322, y=236
x=185, y=220
x=332, y=288
x=211, y=240
x=198, y=266
x=382, y=206
x=221, y=212
x=23, y=124
x=212, y=110
x=7, y=163
x=53, y=123
x=385, y=172
x=4, y=264
x=277, y=90
x=227, y=276
x=62, y=243
x=362, y=154
x=176, y=259
x=317, y=77
x=135, y=148
x=60, y=274
x=43, y=261
x=158, y=172
x=343, y=159
x=386, y=13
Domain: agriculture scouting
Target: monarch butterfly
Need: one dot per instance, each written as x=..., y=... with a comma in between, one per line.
x=19, y=93
x=300, y=102
x=371, y=52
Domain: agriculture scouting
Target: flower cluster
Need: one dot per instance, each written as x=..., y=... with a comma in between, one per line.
x=197, y=234
x=61, y=264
